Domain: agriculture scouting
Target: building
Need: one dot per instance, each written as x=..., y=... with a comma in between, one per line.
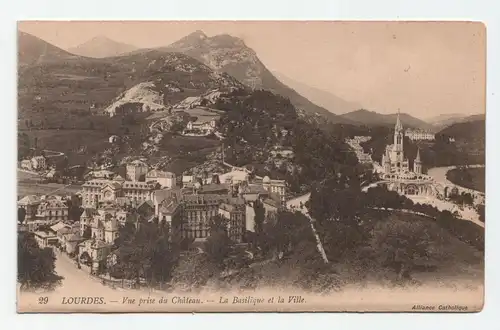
x=396, y=173
x=52, y=209
x=277, y=187
x=234, y=177
x=419, y=135
x=104, y=226
x=96, y=191
x=394, y=160
x=39, y=163
x=30, y=204
x=197, y=211
x=26, y=164
x=170, y=214
x=235, y=217
x=204, y=127
x=72, y=241
x=113, y=139
x=137, y=170
x=165, y=179
x=45, y=239
x=93, y=251
x=86, y=219
x=271, y=208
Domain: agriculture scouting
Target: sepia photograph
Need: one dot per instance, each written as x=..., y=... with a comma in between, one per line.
x=250, y=166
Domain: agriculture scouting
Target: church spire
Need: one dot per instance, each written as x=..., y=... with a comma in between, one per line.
x=399, y=126
x=417, y=160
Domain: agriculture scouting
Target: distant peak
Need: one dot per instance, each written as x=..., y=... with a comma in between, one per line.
x=198, y=34
x=100, y=37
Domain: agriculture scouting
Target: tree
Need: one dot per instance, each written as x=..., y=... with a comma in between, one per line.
x=21, y=215
x=36, y=266
x=218, y=243
x=144, y=253
x=287, y=231
x=400, y=244
x=259, y=218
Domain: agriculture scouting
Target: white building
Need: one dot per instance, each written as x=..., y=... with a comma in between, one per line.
x=418, y=135
x=165, y=179
x=38, y=163
x=206, y=126
x=26, y=164
x=277, y=187
x=137, y=170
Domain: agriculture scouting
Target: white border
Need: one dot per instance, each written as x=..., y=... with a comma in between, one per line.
x=475, y=10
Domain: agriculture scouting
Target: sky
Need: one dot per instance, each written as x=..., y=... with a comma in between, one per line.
x=422, y=68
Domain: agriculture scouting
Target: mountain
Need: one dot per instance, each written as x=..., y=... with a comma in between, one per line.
x=445, y=117
x=225, y=53
x=473, y=130
x=320, y=97
x=33, y=50
x=372, y=118
x=446, y=120
x=68, y=90
x=100, y=47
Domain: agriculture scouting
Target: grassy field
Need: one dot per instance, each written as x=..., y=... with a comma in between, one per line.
x=202, y=115
x=27, y=185
x=472, y=178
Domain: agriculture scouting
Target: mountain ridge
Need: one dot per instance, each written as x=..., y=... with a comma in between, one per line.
x=230, y=54
x=100, y=47
x=32, y=50
x=373, y=118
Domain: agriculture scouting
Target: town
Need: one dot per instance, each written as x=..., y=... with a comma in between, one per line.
x=86, y=225
x=195, y=169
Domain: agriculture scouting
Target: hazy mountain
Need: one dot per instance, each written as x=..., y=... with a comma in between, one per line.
x=320, y=97
x=446, y=120
x=100, y=47
x=372, y=118
x=33, y=50
x=225, y=53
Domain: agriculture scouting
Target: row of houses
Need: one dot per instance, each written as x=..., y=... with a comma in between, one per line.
x=43, y=209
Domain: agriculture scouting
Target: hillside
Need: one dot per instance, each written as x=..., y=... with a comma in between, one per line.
x=225, y=53
x=32, y=50
x=72, y=89
x=474, y=130
x=320, y=97
x=100, y=47
x=372, y=118
x=443, y=121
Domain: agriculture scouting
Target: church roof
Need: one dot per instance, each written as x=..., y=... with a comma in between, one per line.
x=417, y=159
x=398, y=126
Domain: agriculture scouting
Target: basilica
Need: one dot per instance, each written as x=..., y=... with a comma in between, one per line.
x=396, y=168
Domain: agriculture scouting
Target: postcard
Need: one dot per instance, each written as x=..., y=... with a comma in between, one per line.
x=251, y=166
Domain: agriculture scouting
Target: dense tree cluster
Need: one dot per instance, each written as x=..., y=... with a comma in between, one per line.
x=35, y=266
x=348, y=219
x=144, y=252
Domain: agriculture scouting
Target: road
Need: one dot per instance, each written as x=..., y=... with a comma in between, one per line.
x=79, y=282
x=294, y=205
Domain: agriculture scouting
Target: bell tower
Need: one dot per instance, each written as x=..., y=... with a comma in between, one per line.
x=398, y=137
x=417, y=166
